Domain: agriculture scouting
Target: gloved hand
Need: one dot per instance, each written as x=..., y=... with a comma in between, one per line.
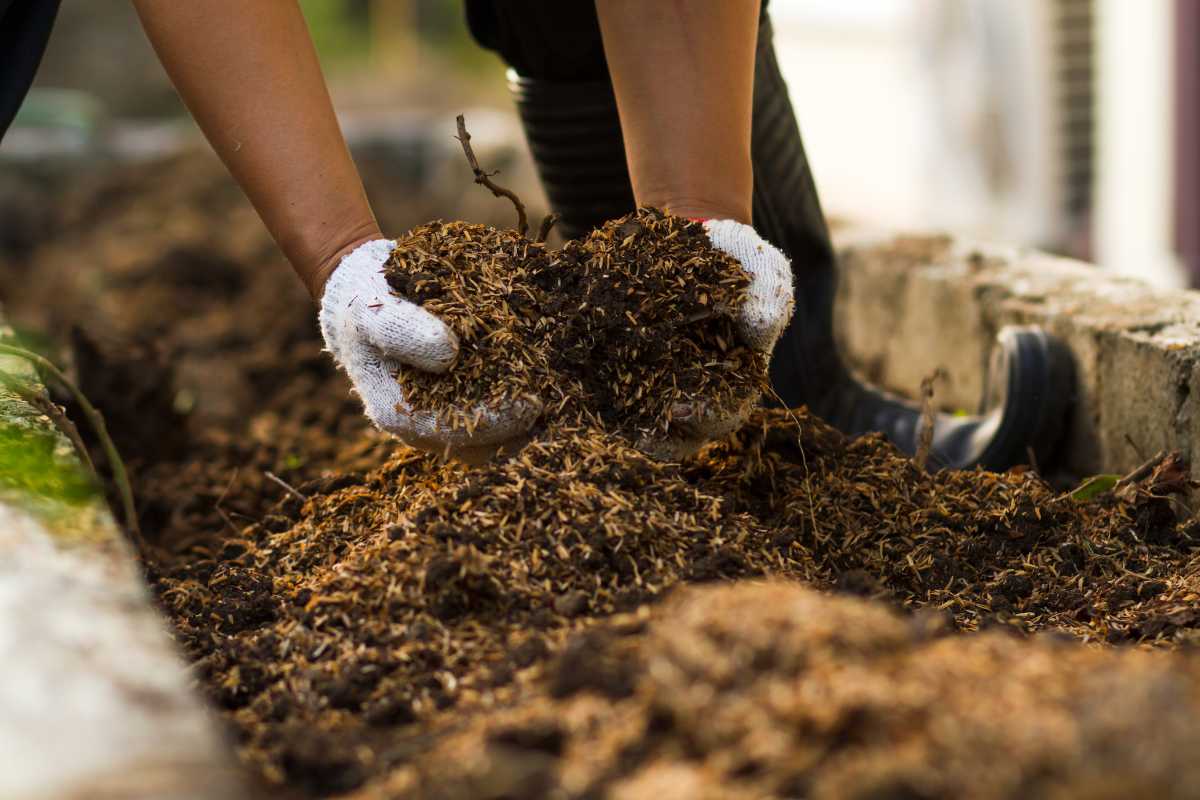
x=762, y=318
x=371, y=333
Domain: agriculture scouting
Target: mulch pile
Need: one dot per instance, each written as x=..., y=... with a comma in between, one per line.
x=750, y=691
x=370, y=619
x=385, y=600
x=623, y=328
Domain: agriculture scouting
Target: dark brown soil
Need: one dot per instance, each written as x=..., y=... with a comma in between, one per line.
x=775, y=690
x=371, y=619
x=623, y=328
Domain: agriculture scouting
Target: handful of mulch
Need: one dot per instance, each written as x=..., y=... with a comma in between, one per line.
x=622, y=329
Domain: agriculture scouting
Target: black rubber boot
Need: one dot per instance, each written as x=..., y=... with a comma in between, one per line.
x=574, y=134
x=1030, y=378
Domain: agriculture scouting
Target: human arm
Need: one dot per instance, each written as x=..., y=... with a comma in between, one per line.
x=248, y=72
x=683, y=75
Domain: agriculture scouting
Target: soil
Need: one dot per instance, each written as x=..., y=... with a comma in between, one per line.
x=788, y=614
x=621, y=329
x=775, y=690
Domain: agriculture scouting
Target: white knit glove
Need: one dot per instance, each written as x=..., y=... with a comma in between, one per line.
x=762, y=318
x=371, y=333
x=769, y=302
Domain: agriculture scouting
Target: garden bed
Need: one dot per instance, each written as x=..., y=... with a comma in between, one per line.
x=371, y=619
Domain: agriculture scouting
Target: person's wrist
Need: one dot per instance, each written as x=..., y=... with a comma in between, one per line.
x=702, y=209
x=317, y=275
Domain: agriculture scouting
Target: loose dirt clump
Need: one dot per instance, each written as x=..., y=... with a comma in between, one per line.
x=624, y=328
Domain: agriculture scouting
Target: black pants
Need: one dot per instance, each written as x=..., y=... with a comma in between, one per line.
x=24, y=30
x=545, y=41
x=553, y=46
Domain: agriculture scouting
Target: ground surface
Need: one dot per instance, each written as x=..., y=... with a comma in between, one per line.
x=582, y=621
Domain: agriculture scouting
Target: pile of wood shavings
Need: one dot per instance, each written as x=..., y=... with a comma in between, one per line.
x=621, y=329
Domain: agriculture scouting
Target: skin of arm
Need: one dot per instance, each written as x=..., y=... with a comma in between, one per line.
x=683, y=74
x=248, y=72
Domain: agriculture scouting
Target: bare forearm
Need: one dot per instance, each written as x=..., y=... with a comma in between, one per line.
x=683, y=72
x=249, y=74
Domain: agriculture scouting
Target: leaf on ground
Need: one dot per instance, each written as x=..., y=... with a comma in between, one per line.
x=1093, y=487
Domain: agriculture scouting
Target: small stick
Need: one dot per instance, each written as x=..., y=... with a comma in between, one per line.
x=96, y=420
x=1144, y=470
x=485, y=178
x=928, y=419
x=812, y=507
x=287, y=486
x=221, y=499
x=548, y=223
x=228, y=521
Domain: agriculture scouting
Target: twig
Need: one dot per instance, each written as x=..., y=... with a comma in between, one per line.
x=1145, y=470
x=287, y=486
x=928, y=419
x=812, y=507
x=1129, y=441
x=221, y=499
x=228, y=521
x=485, y=178
x=548, y=223
x=96, y=420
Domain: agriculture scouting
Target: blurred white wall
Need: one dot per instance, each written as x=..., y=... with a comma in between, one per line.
x=1134, y=221
x=864, y=109
x=952, y=114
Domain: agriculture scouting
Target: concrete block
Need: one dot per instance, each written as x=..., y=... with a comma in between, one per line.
x=94, y=700
x=909, y=305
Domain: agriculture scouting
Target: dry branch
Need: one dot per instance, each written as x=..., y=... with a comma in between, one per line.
x=928, y=419
x=485, y=178
x=548, y=223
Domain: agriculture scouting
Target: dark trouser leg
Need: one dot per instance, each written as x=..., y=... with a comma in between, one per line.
x=24, y=30
x=1030, y=379
x=567, y=108
x=559, y=78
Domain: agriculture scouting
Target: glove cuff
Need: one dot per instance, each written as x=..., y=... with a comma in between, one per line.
x=769, y=300
x=343, y=286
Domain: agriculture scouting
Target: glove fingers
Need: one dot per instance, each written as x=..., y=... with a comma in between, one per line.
x=498, y=426
x=764, y=314
x=385, y=405
x=695, y=424
x=490, y=428
x=769, y=302
x=405, y=332
x=383, y=401
x=701, y=419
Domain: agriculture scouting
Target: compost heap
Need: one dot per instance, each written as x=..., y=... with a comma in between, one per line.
x=788, y=614
x=619, y=329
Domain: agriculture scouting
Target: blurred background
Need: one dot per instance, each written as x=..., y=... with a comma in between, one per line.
x=1070, y=125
